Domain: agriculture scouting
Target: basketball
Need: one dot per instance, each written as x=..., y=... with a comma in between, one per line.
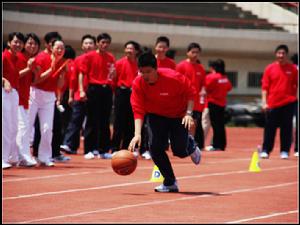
x=124, y=162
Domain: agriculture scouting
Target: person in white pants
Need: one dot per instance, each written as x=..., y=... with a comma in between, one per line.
x=10, y=99
x=49, y=74
x=205, y=123
x=26, y=57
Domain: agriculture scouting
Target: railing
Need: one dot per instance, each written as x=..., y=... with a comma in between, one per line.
x=222, y=22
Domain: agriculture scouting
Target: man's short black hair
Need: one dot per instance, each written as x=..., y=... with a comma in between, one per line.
x=52, y=35
x=103, y=36
x=89, y=37
x=193, y=45
x=163, y=39
x=282, y=47
x=218, y=65
x=147, y=59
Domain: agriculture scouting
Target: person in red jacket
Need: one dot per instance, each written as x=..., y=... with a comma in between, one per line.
x=168, y=98
x=162, y=45
x=217, y=87
x=49, y=69
x=99, y=67
x=126, y=71
x=10, y=98
x=71, y=140
x=279, y=88
x=196, y=73
x=26, y=57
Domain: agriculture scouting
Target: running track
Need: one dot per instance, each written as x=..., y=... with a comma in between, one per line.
x=219, y=190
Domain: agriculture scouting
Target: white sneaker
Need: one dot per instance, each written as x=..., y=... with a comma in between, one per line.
x=163, y=188
x=296, y=154
x=89, y=155
x=27, y=162
x=6, y=165
x=96, y=153
x=284, y=155
x=264, y=155
x=105, y=156
x=209, y=148
x=65, y=147
x=146, y=155
x=196, y=156
x=47, y=163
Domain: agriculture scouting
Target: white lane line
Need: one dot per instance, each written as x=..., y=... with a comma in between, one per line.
x=263, y=217
x=107, y=171
x=158, y=202
x=135, y=183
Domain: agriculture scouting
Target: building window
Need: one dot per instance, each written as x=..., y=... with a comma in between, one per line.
x=233, y=77
x=254, y=79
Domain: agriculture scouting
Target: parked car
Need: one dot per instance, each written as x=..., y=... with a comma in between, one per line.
x=244, y=114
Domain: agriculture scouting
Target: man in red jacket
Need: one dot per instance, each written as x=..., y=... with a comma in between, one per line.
x=126, y=71
x=99, y=67
x=196, y=73
x=217, y=87
x=168, y=98
x=279, y=88
x=10, y=98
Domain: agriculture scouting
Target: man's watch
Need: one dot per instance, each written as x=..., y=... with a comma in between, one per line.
x=189, y=113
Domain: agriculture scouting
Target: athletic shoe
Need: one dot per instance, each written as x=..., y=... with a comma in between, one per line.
x=211, y=148
x=196, y=156
x=61, y=158
x=164, y=188
x=146, y=155
x=105, y=156
x=27, y=162
x=6, y=165
x=284, y=155
x=89, y=155
x=96, y=153
x=296, y=154
x=66, y=149
x=47, y=163
x=264, y=155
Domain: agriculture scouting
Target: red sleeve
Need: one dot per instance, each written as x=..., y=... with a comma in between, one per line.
x=180, y=68
x=72, y=76
x=189, y=89
x=265, y=81
x=229, y=85
x=173, y=64
x=137, y=100
x=83, y=64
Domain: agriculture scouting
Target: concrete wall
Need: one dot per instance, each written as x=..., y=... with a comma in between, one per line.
x=242, y=50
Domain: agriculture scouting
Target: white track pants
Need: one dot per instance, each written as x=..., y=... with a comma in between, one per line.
x=10, y=104
x=41, y=103
x=23, y=137
x=205, y=123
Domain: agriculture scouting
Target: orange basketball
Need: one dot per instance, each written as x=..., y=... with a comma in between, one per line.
x=124, y=162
